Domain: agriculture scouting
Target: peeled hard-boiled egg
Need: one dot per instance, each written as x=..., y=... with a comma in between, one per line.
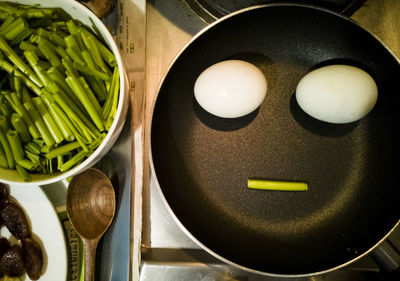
x=231, y=88
x=337, y=93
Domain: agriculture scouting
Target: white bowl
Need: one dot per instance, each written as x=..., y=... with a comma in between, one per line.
x=84, y=15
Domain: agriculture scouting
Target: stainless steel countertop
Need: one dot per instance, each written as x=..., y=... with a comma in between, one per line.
x=168, y=253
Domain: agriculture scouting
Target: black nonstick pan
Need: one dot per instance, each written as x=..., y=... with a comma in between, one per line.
x=202, y=162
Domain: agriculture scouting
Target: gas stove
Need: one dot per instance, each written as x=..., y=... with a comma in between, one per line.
x=167, y=252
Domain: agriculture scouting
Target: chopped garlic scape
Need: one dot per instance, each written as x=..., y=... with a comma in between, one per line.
x=276, y=185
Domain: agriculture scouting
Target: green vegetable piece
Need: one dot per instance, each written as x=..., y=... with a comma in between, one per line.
x=5, y=109
x=33, y=61
x=26, y=164
x=49, y=51
x=91, y=45
x=90, y=94
x=19, y=126
x=77, y=88
x=18, y=86
x=4, y=123
x=51, y=36
x=39, y=123
x=97, y=73
x=19, y=63
x=60, y=161
x=106, y=54
x=61, y=150
x=21, y=111
x=33, y=157
x=48, y=120
x=110, y=106
x=73, y=30
x=3, y=158
x=7, y=150
x=276, y=185
x=59, y=79
x=25, y=176
x=58, y=118
x=71, y=126
x=33, y=147
x=78, y=157
x=28, y=46
x=11, y=70
x=16, y=145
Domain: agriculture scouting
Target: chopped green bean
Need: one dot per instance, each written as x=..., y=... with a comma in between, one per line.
x=3, y=158
x=61, y=150
x=106, y=54
x=58, y=78
x=25, y=176
x=48, y=120
x=27, y=164
x=40, y=125
x=19, y=126
x=94, y=51
x=49, y=51
x=276, y=185
x=4, y=123
x=33, y=61
x=84, y=69
x=22, y=66
x=21, y=111
x=52, y=36
x=28, y=46
x=61, y=123
x=7, y=150
x=33, y=157
x=77, y=88
x=15, y=145
x=33, y=147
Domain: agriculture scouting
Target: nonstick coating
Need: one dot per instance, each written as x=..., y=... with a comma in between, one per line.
x=202, y=162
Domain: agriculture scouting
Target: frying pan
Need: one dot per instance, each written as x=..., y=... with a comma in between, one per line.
x=202, y=162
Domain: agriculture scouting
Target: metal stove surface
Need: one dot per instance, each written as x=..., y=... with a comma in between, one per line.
x=167, y=252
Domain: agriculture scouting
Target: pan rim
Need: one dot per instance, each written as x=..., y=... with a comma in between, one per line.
x=150, y=123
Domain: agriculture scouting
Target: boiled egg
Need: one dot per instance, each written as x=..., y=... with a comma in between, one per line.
x=337, y=93
x=230, y=89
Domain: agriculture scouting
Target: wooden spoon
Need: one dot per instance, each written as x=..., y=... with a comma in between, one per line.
x=91, y=209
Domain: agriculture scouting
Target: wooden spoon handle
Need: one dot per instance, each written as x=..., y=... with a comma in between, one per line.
x=89, y=248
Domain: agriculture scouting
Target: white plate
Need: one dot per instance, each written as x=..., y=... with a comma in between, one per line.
x=46, y=229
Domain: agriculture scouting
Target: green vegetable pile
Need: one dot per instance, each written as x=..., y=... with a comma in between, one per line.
x=59, y=88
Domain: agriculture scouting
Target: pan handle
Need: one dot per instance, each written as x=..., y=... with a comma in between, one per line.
x=387, y=257
x=100, y=8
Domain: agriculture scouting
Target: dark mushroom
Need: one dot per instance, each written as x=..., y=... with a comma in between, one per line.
x=33, y=258
x=4, y=192
x=11, y=263
x=4, y=246
x=14, y=219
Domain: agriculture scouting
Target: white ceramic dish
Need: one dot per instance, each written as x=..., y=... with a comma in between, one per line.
x=84, y=15
x=46, y=228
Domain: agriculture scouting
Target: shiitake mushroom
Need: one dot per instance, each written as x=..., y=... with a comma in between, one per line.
x=12, y=263
x=4, y=192
x=4, y=246
x=13, y=217
x=16, y=260
x=33, y=258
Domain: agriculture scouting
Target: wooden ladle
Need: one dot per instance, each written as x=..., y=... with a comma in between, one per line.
x=91, y=209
